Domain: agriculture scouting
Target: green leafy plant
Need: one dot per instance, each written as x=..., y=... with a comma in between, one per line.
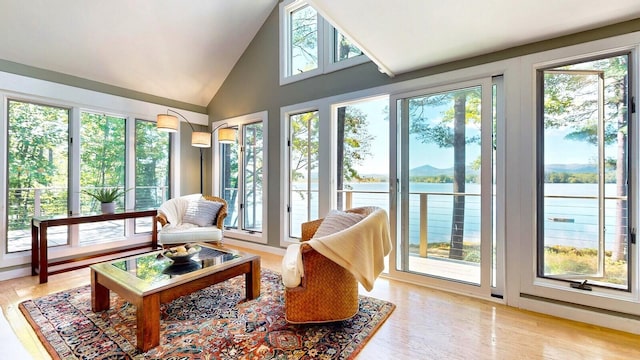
x=106, y=195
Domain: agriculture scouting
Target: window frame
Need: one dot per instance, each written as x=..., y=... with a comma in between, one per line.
x=325, y=45
x=532, y=286
x=240, y=122
x=32, y=90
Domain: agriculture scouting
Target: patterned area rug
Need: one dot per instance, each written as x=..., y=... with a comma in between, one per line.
x=213, y=323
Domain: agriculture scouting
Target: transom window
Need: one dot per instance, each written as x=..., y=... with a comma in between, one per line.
x=310, y=46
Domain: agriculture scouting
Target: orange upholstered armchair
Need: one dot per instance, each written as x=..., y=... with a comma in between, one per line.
x=328, y=289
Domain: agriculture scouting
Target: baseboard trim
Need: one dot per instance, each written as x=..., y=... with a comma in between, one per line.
x=254, y=246
x=595, y=316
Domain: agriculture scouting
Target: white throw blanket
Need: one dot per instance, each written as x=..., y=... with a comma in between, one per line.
x=360, y=249
x=175, y=208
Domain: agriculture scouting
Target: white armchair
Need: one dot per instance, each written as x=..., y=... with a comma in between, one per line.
x=191, y=218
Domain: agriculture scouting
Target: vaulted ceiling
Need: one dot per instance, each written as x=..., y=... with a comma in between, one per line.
x=406, y=35
x=177, y=49
x=184, y=50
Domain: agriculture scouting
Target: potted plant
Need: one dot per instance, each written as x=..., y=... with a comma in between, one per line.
x=107, y=197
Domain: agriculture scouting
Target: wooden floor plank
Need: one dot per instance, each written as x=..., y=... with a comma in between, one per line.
x=427, y=324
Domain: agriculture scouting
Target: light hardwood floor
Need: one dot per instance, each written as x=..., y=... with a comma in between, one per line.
x=426, y=324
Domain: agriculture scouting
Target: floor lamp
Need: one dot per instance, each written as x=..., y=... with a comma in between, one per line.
x=199, y=139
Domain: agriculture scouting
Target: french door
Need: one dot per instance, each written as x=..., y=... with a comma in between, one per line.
x=444, y=188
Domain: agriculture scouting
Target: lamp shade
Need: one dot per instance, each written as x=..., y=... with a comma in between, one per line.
x=227, y=136
x=166, y=122
x=201, y=139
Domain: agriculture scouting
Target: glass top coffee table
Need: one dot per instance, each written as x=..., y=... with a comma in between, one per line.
x=151, y=279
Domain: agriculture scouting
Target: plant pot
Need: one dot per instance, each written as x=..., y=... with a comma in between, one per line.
x=108, y=208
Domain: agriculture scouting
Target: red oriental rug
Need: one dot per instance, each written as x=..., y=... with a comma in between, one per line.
x=213, y=323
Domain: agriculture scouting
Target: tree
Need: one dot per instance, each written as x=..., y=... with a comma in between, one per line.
x=102, y=152
x=354, y=142
x=462, y=108
x=37, y=156
x=152, y=164
x=304, y=40
x=571, y=102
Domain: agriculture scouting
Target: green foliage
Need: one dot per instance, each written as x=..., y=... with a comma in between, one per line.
x=106, y=195
x=577, y=178
x=357, y=143
x=443, y=179
x=305, y=144
x=440, y=130
x=564, y=260
x=470, y=251
x=304, y=39
x=38, y=137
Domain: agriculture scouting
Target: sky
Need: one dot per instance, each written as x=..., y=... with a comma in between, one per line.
x=563, y=151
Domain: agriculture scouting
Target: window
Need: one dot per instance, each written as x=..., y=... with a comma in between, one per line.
x=240, y=177
x=56, y=153
x=446, y=205
x=152, y=170
x=102, y=165
x=252, y=184
x=583, y=167
x=362, y=154
x=303, y=35
x=310, y=46
x=38, y=170
x=343, y=49
x=303, y=148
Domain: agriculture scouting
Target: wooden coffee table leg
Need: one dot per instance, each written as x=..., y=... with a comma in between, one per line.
x=148, y=321
x=252, y=280
x=99, y=294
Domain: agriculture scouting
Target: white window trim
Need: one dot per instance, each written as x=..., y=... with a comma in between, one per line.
x=325, y=47
x=325, y=179
x=330, y=65
x=22, y=88
x=263, y=117
x=530, y=283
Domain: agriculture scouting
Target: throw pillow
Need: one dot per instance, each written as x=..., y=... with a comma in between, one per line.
x=337, y=221
x=201, y=212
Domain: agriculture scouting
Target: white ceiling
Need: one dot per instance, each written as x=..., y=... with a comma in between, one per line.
x=184, y=49
x=406, y=35
x=177, y=49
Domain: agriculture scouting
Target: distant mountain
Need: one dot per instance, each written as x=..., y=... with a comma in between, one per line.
x=428, y=170
x=571, y=168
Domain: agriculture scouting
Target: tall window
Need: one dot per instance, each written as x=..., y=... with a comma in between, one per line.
x=583, y=167
x=152, y=169
x=303, y=148
x=363, y=154
x=241, y=177
x=102, y=165
x=253, y=167
x=38, y=169
x=310, y=46
x=56, y=154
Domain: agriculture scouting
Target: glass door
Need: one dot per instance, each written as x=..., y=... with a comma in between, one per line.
x=445, y=191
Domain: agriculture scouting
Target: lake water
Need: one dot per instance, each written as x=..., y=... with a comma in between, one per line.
x=568, y=221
